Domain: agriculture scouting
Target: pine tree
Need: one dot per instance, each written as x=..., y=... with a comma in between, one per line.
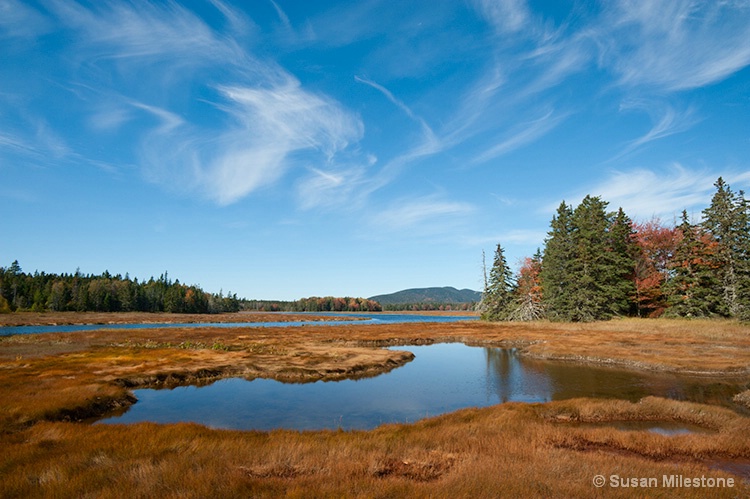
x=498, y=298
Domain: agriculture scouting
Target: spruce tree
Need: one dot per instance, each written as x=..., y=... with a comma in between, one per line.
x=588, y=265
x=595, y=271
x=726, y=221
x=621, y=274
x=694, y=290
x=558, y=256
x=498, y=297
x=743, y=282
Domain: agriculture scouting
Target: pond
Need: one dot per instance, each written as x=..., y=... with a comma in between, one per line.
x=359, y=318
x=442, y=378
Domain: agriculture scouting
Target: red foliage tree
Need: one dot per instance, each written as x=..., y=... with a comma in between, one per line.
x=528, y=282
x=656, y=247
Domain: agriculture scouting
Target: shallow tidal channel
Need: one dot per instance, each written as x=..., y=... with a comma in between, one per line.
x=442, y=378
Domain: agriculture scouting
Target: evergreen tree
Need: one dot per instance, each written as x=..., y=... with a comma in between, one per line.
x=694, y=289
x=588, y=266
x=622, y=252
x=743, y=282
x=104, y=293
x=726, y=221
x=556, y=264
x=498, y=297
x=591, y=272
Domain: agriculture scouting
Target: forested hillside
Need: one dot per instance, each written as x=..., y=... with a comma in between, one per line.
x=598, y=264
x=105, y=293
x=435, y=298
x=314, y=304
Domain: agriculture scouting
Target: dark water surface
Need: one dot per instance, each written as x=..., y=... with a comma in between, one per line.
x=442, y=378
x=356, y=318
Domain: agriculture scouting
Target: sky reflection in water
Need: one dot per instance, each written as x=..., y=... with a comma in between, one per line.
x=442, y=378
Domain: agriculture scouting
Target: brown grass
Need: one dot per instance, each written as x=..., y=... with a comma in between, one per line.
x=58, y=318
x=509, y=450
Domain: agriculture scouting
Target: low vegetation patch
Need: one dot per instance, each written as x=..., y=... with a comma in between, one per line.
x=47, y=382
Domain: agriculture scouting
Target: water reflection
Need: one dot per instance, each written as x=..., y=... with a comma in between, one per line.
x=356, y=318
x=442, y=378
x=513, y=379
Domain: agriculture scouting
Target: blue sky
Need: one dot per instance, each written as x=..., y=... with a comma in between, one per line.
x=281, y=149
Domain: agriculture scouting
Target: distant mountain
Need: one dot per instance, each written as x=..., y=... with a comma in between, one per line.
x=429, y=295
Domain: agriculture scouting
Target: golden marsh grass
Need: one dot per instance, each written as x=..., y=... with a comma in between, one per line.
x=508, y=450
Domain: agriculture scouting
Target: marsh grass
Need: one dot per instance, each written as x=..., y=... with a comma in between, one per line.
x=508, y=450
x=58, y=318
x=501, y=451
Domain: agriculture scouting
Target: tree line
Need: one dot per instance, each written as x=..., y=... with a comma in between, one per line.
x=42, y=292
x=315, y=304
x=596, y=265
x=429, y=305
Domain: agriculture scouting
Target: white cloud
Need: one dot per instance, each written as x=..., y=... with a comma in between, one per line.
x=109, y=117
x=239, y=23
x=168, y=121
x=14, y=143
x=666, y=120
x=18, y=20
x=266, y=120
x=147, y=33
x=269, y=127
x=521, y=135
x=403, y=107
x=676, y=45
x=413, y=213
x=645, y=193
x=333, y=187
x=282, y=15
x=506, y=16
x=272, y=124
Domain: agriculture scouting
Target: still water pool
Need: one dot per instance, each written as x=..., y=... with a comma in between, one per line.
x=340, y=319
x=442, y=378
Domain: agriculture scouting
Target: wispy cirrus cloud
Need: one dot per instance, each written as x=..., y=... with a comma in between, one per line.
x=282, y=15
x=15, y=143
x=427, y=144
x=146, y=33
x=271, y=125
x=418, y=212
x=666, y=120
x=18, y=20
x=334, y=187
x=268, y=127
x=506, y=16
x=262, y=116
x=645, y=193
x=675, y=45
x=521, y=135
x=429, y=134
